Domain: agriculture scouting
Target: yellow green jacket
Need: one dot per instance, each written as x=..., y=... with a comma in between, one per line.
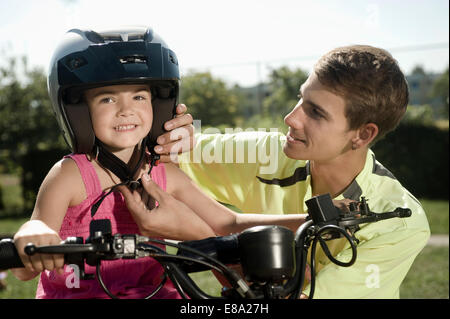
x=250, y=172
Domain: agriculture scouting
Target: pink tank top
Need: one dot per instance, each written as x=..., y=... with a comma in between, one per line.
x=125, y=278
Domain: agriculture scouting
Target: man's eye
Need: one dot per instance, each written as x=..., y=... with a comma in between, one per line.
x=316, y=112
x=313, y=112
x=139, y=98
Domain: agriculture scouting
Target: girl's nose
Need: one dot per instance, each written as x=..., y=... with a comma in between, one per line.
x=125, y=108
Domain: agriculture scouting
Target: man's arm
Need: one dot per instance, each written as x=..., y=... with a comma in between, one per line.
x=221, y=219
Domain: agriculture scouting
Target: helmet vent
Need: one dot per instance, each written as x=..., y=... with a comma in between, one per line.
x=173, y=59
x=133, y=59
x=112, y=38
x=75, y=63
x=132, y=35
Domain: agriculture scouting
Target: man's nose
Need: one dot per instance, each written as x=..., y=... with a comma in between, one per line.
x=294, y=118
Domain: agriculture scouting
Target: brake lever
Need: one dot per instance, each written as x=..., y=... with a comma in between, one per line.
x=372, y=217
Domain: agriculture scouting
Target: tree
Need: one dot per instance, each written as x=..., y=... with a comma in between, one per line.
x=440, y=90
x=28, y=129
x=26, y=117
x=284, y=88
x=209, y=99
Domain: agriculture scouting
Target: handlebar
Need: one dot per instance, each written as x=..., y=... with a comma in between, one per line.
x=9, y=258
x=273, y=258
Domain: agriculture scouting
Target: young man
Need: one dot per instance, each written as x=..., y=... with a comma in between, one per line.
x=353, y=98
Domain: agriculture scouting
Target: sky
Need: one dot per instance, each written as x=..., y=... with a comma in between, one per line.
x=240, y=41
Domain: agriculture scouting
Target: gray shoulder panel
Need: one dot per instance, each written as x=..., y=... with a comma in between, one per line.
x=380, y=170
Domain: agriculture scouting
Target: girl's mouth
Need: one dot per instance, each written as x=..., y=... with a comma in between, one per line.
x=124, y=128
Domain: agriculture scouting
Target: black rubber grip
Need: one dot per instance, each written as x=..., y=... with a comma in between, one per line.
x=9, y=258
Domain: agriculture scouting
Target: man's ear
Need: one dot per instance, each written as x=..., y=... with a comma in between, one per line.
x=365, y=135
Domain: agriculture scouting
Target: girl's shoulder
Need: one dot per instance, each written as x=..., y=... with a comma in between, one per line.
x=65, y=176
x=62, y=187
x=63, y=171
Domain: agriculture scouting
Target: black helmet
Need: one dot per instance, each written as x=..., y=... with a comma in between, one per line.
x=86, y=59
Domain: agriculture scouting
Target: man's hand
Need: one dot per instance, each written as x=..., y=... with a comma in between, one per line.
x=170, y=219
x=178, y=139
x=343, y=204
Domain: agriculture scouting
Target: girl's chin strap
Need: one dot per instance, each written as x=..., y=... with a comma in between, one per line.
x=121, y=169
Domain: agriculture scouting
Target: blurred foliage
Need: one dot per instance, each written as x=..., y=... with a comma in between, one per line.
x=209, y=99
x=440, y=90
x=417, y=155
x=284, y=85
x=35, y=166
x=2, y=202
x=27, y=123
x=26, y=118
x=419, y=114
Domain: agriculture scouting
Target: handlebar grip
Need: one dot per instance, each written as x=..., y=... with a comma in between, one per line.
x=9, y=258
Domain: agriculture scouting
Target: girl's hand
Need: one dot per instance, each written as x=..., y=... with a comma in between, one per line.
x=38, y=233
x=178, y=139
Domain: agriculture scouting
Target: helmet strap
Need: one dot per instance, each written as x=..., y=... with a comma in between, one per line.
x=121, y=169
x=115, y=164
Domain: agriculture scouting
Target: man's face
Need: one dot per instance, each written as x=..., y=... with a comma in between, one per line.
x=318, y=128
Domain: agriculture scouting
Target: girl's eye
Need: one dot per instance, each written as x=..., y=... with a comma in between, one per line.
x=106, y=100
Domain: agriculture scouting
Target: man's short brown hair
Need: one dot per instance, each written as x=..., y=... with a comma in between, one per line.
x=370, y=81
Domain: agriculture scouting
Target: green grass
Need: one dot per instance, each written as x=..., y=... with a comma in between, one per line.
x=437, y=212
x=17, y=289
x=428, y=276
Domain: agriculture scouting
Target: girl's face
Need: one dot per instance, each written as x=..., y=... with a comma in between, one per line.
x=121, y=115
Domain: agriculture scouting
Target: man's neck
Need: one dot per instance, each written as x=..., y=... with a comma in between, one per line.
x=336, y=175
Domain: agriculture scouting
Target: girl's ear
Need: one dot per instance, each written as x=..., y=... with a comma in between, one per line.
x=365, y=135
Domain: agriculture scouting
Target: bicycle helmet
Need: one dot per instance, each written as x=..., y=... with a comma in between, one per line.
x=87, y=59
